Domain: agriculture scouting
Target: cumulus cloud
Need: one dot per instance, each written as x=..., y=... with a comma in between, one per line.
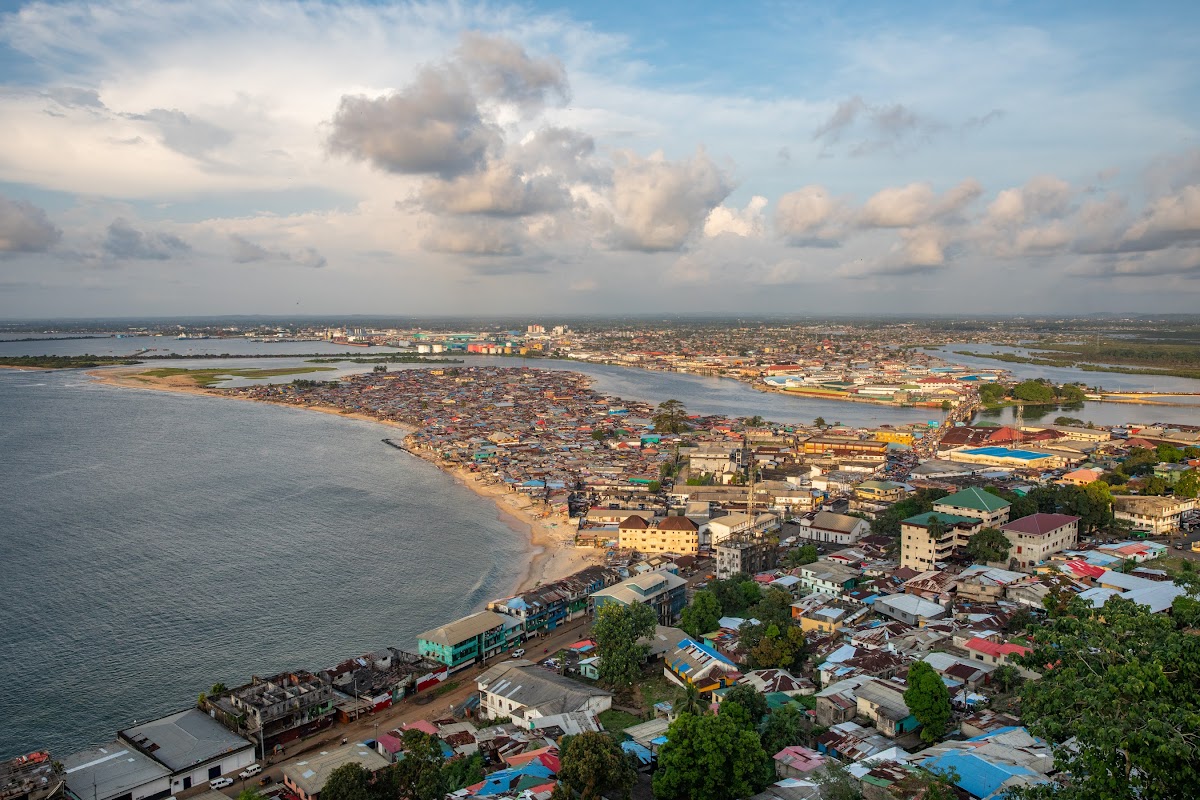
x=25, y=228
x=747, y=222
x=1170, y=220
x=659, y=204
x=502, y=70
x=916, y=203
x=803, y=216
x=474, y=236
x=500, y=189
x=432, y=126
x=124, y=242
x=245, y=251
x=1042, y=196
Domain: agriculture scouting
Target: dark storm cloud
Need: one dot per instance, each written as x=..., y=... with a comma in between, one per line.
x=122, y=241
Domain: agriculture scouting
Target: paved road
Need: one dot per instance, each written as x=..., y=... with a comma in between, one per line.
x=369, y=726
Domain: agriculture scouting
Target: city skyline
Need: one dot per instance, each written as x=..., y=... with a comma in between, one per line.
x=439, y=159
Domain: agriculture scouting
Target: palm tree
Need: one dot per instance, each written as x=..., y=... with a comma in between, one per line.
x=691, y=700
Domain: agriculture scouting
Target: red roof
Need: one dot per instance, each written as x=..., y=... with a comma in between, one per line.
x=1084, y=569
x=677, y=524
x=634, y=521
x=1039, y=524
x=996, y=650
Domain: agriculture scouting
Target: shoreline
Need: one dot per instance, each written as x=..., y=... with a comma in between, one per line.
x=552, y=552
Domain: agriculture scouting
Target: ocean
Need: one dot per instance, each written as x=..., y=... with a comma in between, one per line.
x=154, y=544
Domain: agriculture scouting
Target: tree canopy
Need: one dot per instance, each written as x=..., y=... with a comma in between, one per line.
x=1124, y=685
x=929, y=701
x=887, y=522
x=989, y=544
x=709, y=758
x=702, y=615
x=348, y=782
x=747, y=698
x=593, y=767
x=616, y=633
x=671, y=417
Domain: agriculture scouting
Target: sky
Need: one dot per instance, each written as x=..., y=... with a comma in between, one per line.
x=236, y=157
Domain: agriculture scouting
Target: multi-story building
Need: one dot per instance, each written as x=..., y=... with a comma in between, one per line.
x=990, y=509
x=1153, y=515
x=469, y=640
x=923, y=545
x=831, y=577
x=526, y=692
x=846, y=446
x=1034, y=538
x=744, y=554
x=279, y=708
x=721, y=528
x=662, y=591
x=880, y=492
x=665, y=535
x=553, y=604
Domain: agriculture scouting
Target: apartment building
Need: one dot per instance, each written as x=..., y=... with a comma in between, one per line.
x=1035, y=538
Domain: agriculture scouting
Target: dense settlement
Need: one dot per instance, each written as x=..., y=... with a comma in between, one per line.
x=865, y=600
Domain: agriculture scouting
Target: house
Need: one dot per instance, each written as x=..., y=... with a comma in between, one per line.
x=882, y=702
x=996, y=653
x=909, y=608
x=880, y=492
x=990, y=509
x=192, y=745
x=307, y=778
x=768, y=681
x=1080, y=477
x=840, y=529
x=796, y=761
x=466, y=641
x=721, y=528
x=1034, y=538
x=590, y=668
x=662, y=591
x=825, y=613
x=922, y=546
x=696, y=664
x=958, y=672
x=1153, y=515
x=524, y=691
x=988, y=766
x=986, y=584
x=832, y=577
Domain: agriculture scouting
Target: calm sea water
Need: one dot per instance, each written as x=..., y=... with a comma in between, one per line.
x=153, y=544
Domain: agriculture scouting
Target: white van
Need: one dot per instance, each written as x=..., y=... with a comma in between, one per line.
x=250, y=771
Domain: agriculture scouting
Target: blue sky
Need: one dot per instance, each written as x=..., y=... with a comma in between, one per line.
x=232, y=157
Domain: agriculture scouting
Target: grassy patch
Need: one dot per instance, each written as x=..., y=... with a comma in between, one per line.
x=211, y=377
x=656, y=689
x=615, y=721
x=449, y=686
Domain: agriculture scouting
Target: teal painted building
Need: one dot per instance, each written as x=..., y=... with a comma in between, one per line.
x=467, y=641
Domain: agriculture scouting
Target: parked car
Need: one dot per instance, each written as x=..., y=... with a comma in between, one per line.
x=220, y=783
x=265, y=779
x=520, y=651
x=250, y=771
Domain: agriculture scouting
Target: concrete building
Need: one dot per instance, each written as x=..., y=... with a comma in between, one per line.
x=466, y=641
x=921, y=550
x=990, y=509
x=115, y=771
x=666, y=535
x=307, y=778
x=278, y=708
x=909, y=608
x=1033, y=539
x=882, y=702
x=524, y=691
x=192, y=745
x=840, y=529
x=721, y=528
x=662, y=591
x=831, y=577
x=746, y=554
x=1153, y=515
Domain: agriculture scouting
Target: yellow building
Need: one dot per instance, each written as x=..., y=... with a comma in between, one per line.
x=894, y=436
x=667, y=535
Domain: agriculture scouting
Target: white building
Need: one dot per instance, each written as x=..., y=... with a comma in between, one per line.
x=841, y=529
x=1035, y=538
x=524, y=691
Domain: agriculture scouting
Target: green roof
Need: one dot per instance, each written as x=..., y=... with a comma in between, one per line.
x=974, y=498
x=947, y=519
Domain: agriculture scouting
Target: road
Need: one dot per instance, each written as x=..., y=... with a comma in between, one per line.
x=371, y=725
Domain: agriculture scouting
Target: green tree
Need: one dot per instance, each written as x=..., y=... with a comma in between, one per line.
x=777, y=645
x=730, y=595
x=784, y=728
x=1188, y=485
x=616, y=633
x=1154, y=486
x=463, y=771
x=1034, y=392
x=819, y=422
x=1071, y=393
x=747, y=698
x=348, y=782
x=887, y=523
x=709, y=758
x=992, y=393
x=989, y=544
x=837, y=783
x=753, y=422
x=593, y=766
x=1124, y=686
x=929, y=700
x=420, y=774
x=671, y=417
x=1007, y=678
x=799, y=556
x=217, y=688
x=702, y=615
x=1169, y=453
x=250, y=793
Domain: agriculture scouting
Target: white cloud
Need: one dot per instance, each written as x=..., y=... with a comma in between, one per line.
x=747, y=222
x=659, y=204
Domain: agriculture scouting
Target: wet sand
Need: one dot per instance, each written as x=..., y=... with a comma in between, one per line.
x=551, y=536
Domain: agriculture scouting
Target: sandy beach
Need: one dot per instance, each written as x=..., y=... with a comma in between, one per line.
x=551, y=537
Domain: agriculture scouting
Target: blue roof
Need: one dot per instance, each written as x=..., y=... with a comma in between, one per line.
x=1004, y=452
x=976, y=774
x=642, y=754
